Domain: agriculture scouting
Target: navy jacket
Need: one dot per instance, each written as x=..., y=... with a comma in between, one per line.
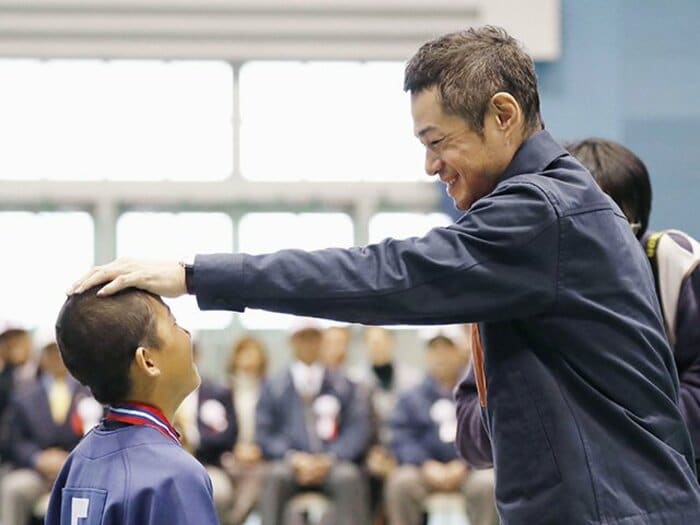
x=131, y=475
x=31, y=429
x=415, y=431
x=582, y=402
x=281, y=427
x=213, y=442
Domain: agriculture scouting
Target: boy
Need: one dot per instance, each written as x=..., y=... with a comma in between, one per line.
x=131, y=468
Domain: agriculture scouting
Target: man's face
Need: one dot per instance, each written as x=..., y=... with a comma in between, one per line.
x=468, y=164
x=16, y=348
x=307, y=345
x=178, y=365
x=380, y=345
x=334, y=346
x=444, y=362
x=51, y=362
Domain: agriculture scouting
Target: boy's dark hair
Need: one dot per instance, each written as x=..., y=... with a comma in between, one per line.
x=620, y=174
x=469, y=67
x=98, y=338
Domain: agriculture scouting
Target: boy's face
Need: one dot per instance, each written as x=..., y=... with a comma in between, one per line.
x=179, y=371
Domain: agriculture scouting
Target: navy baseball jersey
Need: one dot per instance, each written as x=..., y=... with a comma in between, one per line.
x=131, y=474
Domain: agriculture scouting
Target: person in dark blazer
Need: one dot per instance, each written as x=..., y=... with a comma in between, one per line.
x=311, y=423
x=424, y=426
x=45, y=421
x=207, y=421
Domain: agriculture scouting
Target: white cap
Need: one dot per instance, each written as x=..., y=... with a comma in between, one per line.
x=43, y=336
x=12, y=324
x=452, y=331
x=301, y=324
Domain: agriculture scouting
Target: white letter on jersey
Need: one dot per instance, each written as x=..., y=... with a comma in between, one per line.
x=78, y=509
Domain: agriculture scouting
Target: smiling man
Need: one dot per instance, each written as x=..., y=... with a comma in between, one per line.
x=577, y=384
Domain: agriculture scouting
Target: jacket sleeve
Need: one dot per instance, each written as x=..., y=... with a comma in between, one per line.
x=406, y=443
x=500, y=256
x=273, y=443
x=356, y=430
x=474, y=443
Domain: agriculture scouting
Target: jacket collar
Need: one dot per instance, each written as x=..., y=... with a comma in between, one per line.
x=534, y=155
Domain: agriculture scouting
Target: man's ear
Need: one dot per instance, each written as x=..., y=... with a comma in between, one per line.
x=145, y=362
x=506, y=112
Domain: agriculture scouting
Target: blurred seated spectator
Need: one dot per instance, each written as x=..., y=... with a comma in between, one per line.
x=335, y=346
x=424, y=427
x=246, y=368
x=311, y=424
x=16, y=370
x=16, y=365
x=383, y=379
x=207, y=423
x=45, y=420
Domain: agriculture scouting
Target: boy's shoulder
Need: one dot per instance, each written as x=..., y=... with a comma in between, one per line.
x=137, y=448
x=129, y=473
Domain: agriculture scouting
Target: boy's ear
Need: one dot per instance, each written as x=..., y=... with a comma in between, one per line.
x=145, y=361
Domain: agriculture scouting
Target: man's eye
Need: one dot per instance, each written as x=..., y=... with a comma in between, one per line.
x=434, y=143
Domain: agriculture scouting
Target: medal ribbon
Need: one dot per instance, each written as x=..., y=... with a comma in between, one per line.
x=142, y=414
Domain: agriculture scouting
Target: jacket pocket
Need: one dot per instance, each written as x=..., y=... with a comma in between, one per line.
x=525, y=462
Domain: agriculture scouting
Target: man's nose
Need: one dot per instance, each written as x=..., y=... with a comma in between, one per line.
x=433, y=164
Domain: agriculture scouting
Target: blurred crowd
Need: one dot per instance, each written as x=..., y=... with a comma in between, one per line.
x=319, y=442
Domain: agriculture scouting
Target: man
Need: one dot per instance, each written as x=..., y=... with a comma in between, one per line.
x=423, y=434
x=382, y=379
x=313, y=425
x=207, y=421
x=16, y=367
x=575, y=376
x=45, y=421
x=335, y=347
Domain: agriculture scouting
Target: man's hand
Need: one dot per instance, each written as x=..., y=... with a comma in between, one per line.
x=310, y=469
x=247, y=453
x=455, y=475
x=161, y=278
x=380, y=461
x=445, y=477
x=433, y=473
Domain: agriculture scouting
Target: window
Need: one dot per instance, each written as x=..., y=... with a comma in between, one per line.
x=43, y=254
x=327, y=121
x=268, y=232
x=404, y=225
x=401, y=225
x=178, y=236
x=116, y=120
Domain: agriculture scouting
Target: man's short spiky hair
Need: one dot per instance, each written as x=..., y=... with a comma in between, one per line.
x=469, y=67
x=98, y=338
